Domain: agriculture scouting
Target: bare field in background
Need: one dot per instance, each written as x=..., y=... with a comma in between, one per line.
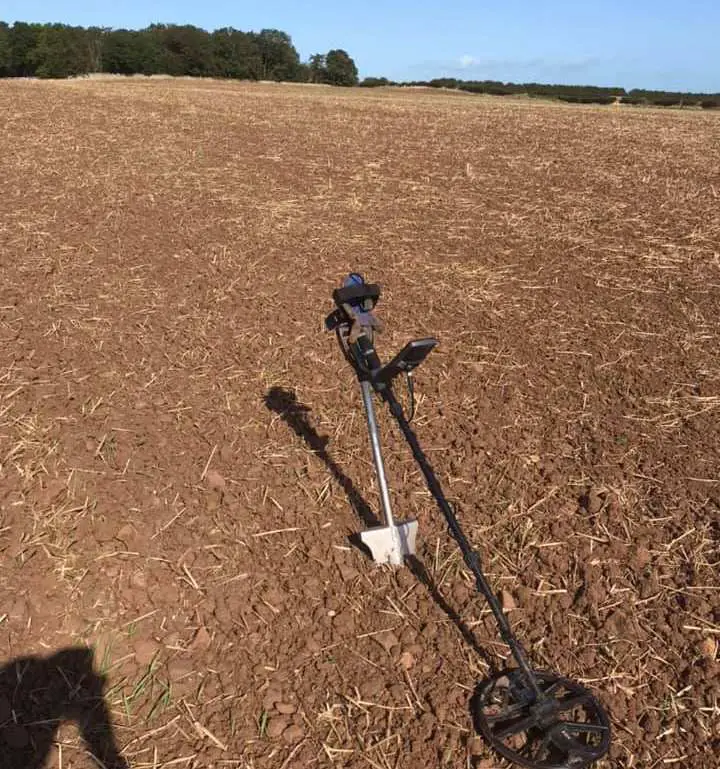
x=183, y=455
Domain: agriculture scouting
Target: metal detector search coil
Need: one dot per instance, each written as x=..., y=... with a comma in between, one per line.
x=535, y=719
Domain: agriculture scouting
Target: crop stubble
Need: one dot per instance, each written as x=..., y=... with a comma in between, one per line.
x=182, y=451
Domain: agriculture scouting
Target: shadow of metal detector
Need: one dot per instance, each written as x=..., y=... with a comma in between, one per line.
x=533, y=718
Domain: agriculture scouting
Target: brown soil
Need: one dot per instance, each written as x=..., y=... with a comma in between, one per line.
x=183, y=455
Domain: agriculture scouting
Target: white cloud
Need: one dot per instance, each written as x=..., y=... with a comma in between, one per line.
x=509, y=68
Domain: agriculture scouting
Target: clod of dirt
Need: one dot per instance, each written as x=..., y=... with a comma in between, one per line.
x=112, y=570
x=650, y=724
x=293, y=733
x=475, y=747
x=407, y=660
x=145, y=650
x=313, y=645
x=345, y=622
x=271, y=696
x=616, y=623
x=708, y=648
x=103, y=530
x=20, y=611
x=525, y=596
x=172, y=640
x=461, y=592
x=426, y=724
x=372, y=685
x=214, y=480
x=642, y=557
x=139, y=579
x=275, y=597
x=507, y=601
x=592, y=502
x=214, y=500
x=277, y=726
x=260, y=670
x=613, y=503
x=396, y=691
x=440, y=709
x=126, y=533
x=286, y=708
x=347, y=573
x=429, y=631
x=201, y=640
x=387, y=639
x=53, y=491
x=180, y=669
x=312, y=587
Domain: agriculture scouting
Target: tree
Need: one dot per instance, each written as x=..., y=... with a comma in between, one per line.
x=122, y=52
x=94, y=37
x=23, y=39
x=193, y=49
x=317, y=68
x=183, y=50
x=340, y=69
x=280, y=60
x=235, y=54
x=4, y=50
x=60, y=51
x=374, y=82
x=444, y=82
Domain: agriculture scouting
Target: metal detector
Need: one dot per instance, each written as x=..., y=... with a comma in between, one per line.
x=355, y=325
x=533, y=718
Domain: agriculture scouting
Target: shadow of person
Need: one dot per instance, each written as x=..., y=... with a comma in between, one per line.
x=38, y=694
x=285, y=403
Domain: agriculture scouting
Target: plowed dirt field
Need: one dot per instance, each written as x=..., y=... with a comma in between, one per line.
x=183, y=454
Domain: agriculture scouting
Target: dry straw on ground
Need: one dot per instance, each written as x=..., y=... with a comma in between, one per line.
x=182, y=457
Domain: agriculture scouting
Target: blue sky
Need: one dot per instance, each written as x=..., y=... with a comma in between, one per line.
x=663, y=44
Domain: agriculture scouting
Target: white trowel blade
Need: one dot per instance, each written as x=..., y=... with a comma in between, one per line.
x=390, y=544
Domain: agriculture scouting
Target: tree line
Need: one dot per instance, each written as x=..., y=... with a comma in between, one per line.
x=60, y=51
x=580, y=94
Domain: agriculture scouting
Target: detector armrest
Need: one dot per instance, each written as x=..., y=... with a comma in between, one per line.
x=356, y=295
